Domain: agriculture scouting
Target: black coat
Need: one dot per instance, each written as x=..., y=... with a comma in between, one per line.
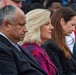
x=63, y=64
x=74, y=50
x=14, y=62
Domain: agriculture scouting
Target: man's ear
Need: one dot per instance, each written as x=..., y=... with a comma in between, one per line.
x=62, y=22
x=6, y=25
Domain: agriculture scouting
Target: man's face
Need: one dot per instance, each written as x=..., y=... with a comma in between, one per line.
x=17, y=30
x=55, y=6
x=10, y=2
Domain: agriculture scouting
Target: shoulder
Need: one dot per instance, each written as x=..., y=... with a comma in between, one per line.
x=50, y=45
x=3, y=47
x=32, y=47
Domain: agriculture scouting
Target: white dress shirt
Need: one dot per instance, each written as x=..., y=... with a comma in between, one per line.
x=70, y=40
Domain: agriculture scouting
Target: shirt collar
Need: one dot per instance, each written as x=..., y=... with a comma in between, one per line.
x=6, y=37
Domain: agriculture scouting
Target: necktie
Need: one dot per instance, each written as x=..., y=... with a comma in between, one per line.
x=17, y=47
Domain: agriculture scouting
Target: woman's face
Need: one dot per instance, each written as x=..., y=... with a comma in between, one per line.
x=46, y=30
x=69, y=27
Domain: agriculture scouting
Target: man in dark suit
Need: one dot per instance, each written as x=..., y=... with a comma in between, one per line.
x=13, y=60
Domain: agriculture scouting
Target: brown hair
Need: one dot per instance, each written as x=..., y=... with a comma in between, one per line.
x=57, y=33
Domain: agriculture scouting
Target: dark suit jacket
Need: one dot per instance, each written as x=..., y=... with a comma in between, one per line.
x=74, y=50
x=14, y=62
x=62, y=63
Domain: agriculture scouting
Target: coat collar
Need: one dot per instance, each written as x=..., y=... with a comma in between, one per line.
x=23, y=52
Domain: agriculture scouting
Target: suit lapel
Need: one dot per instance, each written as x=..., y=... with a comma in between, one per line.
x=23, y=52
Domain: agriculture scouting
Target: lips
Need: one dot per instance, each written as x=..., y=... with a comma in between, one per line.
x=23, y=35
x=49, y=32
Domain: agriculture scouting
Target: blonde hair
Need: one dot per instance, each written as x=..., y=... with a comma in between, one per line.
x=34, y=20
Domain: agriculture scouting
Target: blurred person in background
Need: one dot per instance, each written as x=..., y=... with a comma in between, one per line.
x=70, y=40
x=17, y=3
x=73, y=6
x=28, y=7
x=53, y=5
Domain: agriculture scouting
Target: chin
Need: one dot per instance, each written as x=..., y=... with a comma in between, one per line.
x=68, y=34
x=21, y=39
x=49, y=37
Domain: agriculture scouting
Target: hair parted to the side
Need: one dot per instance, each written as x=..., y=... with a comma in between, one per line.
x=9, y=14
x=57, y=34
x=34, y=20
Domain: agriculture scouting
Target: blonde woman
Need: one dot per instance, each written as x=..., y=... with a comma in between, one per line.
x=39, y=28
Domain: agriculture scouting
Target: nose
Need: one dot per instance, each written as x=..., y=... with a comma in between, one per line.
x=51, y=27
x=73, y=28
x=25, y=29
